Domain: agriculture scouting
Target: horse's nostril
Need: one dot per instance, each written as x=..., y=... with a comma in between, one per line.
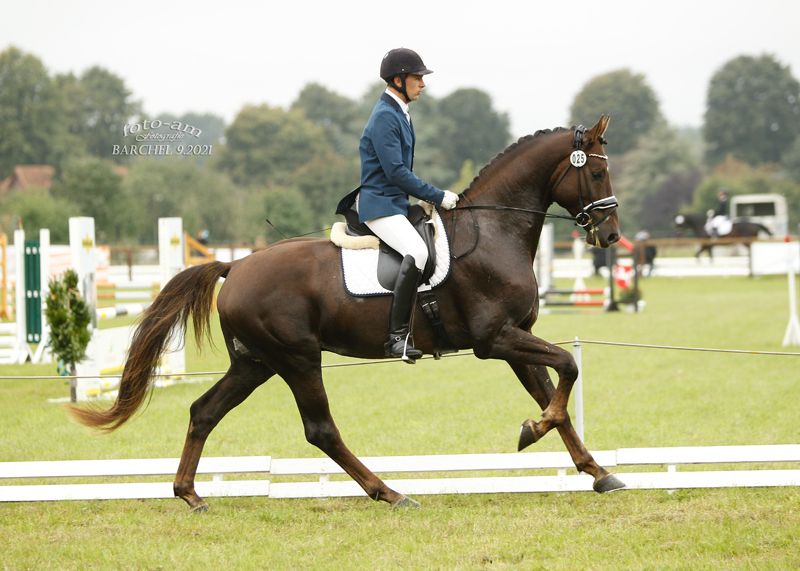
x=613, y=238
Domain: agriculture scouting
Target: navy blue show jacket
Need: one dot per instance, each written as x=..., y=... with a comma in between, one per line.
x=387, y=158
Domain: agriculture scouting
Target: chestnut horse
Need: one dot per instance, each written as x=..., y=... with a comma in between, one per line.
x=279, y=308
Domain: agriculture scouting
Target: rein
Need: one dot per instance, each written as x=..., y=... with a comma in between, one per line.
x=477, y=228
x=514, y=209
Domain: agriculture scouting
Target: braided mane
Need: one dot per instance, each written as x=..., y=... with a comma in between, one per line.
x=513, y=147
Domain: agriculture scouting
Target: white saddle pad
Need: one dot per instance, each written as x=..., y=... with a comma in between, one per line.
x=360, y=267
x=722, y=224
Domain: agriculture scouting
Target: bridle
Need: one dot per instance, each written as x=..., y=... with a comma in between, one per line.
x=583, y=218
x=577, y=159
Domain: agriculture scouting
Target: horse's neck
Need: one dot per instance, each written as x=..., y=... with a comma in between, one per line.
x=700, y=227
x=526, y=189
x=520, y=181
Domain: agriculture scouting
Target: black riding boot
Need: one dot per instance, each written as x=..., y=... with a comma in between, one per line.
x=405, y=295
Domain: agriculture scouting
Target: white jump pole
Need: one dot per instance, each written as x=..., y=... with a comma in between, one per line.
x=21, y=349
x=577, y=389
x=792, y=335
x=578, y=249
x=170, y=259
x=170, y=248
x=84, y=260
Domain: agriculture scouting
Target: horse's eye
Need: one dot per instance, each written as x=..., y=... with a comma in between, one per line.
x=598, y=175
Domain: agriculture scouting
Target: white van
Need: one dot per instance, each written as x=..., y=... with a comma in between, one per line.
x=767, y=209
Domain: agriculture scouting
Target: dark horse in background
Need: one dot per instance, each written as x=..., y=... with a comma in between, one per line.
x=279, y=308
x=696, y=223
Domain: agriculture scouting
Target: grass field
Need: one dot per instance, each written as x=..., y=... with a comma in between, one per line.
x=633, y=397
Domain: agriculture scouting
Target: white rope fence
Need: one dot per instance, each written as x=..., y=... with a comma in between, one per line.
x=464, y=354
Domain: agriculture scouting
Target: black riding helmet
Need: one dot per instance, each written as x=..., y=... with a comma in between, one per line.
x=402, y=61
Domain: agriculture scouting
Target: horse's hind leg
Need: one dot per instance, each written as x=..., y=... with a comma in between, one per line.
x=321, y=431
x=538, y=384
x=243, y=377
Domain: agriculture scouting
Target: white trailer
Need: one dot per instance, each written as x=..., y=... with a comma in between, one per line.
x=767, y=209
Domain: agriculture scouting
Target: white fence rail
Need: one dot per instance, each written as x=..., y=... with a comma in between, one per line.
x=323, y=468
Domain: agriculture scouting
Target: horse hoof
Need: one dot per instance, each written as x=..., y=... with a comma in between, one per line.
x=405, y=503
x=527, y=436
x=609, y=483
x=199, y=509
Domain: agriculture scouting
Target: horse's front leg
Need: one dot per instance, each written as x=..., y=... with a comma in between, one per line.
x=519, y=347
x=538, y=384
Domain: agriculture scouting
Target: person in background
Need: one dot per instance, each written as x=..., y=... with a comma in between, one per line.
x=719, y=223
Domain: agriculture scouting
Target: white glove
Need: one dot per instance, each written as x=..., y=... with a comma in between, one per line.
x=449, y=200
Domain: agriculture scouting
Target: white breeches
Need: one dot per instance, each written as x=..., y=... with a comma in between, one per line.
x=400, y=235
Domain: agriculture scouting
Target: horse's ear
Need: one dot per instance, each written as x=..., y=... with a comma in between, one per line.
x=599, y=130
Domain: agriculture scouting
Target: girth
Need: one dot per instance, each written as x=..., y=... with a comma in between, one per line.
x=389, y=260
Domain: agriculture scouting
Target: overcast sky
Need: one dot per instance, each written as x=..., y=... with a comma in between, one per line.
x=532, y=57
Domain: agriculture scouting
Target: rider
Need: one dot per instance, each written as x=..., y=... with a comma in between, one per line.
x=387, y=180
x=718, y=221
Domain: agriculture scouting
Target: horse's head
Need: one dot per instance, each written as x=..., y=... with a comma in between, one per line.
x=691, y=222
x=582, y=185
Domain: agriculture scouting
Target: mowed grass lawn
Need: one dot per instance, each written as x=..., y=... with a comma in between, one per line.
x=633, y=397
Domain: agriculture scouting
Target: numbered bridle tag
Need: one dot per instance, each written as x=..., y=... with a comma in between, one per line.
x=577, y=158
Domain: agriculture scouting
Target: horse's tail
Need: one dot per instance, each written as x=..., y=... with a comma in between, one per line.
x=764, y=229
x=190, y=291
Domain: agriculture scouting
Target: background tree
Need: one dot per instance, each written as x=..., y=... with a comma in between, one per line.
x=30, y=113
x=288, y=211
x=36, y=208
x=466, y=175
x=72, y=136
x=430, y=160
x=472, y=129
x=211, y=127
x=657, y=181
x=337, y=115
x=204, y=198
x=105, y=108
x=791, y=160
x=267, y=144
x=95, y=189
x=631, y=102
x=752, y=110
x=323, y=181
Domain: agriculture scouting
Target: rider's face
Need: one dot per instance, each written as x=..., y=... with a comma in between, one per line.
x=414, y=85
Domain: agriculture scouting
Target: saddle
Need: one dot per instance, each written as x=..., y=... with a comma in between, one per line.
x=389, y=260
x=370, y=267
